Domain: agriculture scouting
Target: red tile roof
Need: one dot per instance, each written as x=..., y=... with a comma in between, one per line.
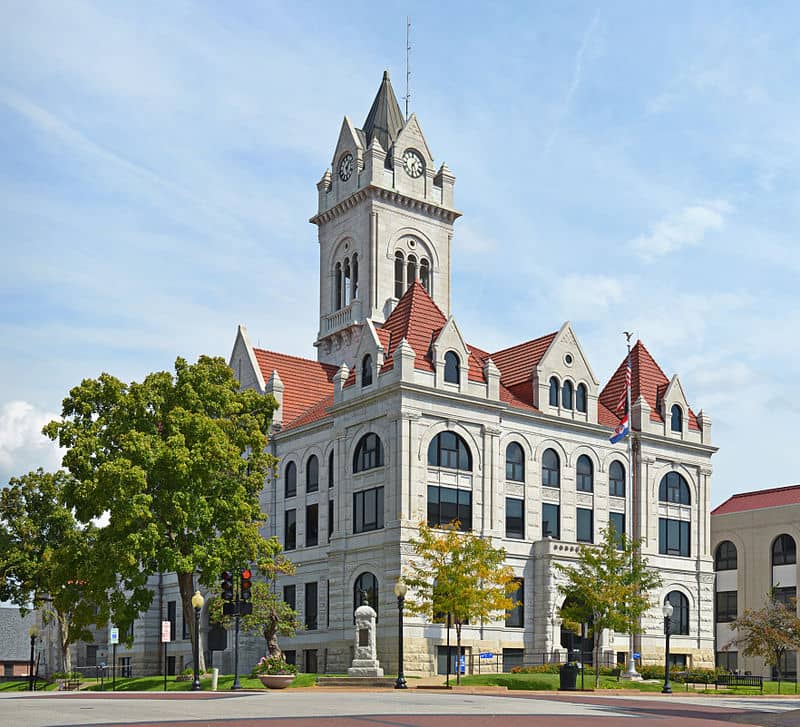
x=775, y=497
x=517, y=363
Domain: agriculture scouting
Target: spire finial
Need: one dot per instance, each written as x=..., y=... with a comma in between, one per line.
x=386, y=75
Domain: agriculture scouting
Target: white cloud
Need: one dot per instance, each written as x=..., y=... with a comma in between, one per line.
x=23, y=447
x=586, y=297
x=682, y=229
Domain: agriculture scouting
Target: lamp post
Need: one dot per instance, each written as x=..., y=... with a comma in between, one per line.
x=667, y=611
x=197, y=602
x=33, y=632
x=400, y=589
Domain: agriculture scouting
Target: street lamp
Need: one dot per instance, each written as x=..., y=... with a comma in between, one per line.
x=400, y=589
x=33, y=632
x=197, y=602
x=667, y=609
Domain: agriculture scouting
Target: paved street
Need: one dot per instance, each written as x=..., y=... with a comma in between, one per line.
x=414, y=708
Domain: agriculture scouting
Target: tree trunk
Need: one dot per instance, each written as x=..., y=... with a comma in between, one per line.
x=596, y=660
x=63, y=642
x=186, y=585
x=271, y=636
x=458, y=652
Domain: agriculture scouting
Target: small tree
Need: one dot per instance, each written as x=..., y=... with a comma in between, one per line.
x=769, y=632
x=460, y=574
x=607, y=587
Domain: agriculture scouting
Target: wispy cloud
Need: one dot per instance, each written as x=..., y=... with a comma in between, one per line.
x=23, y=447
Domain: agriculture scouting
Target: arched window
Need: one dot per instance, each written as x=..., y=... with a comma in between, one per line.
x=515, y=463
x=290, y=480
x=680, y=612
x=551, y=469
x=366, y=370
x=411, y=271
x=449, y=450
x=312, y=474
x=368, y=583
x=338, y=285
x=452, y=368
x=725, y=558
x=566, y=395
x=399, y=275
x=369, y=453
x=554, y=391
x=347, y=293
x=580, y=398
x=674, y=488
x=616, y=479
x=585, y=472
x=677, y=419
x=331, y=471
x=425, y=274
x=784, y=550
x=355, y=275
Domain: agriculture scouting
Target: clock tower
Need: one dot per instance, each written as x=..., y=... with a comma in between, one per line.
x=385, y=219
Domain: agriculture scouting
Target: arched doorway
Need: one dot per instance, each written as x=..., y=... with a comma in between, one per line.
x=572, y=638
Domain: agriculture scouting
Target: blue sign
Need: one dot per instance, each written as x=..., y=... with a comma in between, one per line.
x=462, y=664
x=487, y=655
x=636, y=655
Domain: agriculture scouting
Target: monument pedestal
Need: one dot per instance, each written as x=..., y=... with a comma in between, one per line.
x=365, y=668
x=365, y=663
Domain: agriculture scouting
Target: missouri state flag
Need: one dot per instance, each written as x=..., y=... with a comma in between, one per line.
x=621, y=431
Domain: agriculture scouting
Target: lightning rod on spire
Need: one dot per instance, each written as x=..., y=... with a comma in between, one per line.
x=408, y=62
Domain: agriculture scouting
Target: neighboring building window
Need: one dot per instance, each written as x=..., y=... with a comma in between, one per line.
x=369, y=453
x=566, y=395
x=551, y=469
x=676, y=423
x=725, y=558
x=290, y=480
x=785, y=595
x=311, y=606
x=580, y=398
x=330, y=520
x=551, y=520
x=425, y=274
x=290, y=530
x=399, y=275
x=784, y=551
x=515, y=518
x=674, y=488
x=585, y=474
x=617, y=519
x=172, y=617
x=452, y=368
x=331, y=471
x=680, y=612
x=515, y=468
x=368, y=510
x=448, y=449
x=515, y=618
x=728, y=660
x=366, y=370
x=312, y=474
x=446, y=504
x=290, y=596
x=585, y=525
x=725, y=606
x=616, y=479
x=369, y=583
x=674, y=537
x=312, y=525
x=553, y=399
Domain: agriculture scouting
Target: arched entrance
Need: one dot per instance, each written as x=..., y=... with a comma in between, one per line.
x=573, y=640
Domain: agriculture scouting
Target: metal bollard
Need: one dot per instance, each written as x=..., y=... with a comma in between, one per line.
x=214, y=678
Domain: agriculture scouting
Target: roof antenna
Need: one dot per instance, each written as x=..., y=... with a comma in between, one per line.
x=408, y=64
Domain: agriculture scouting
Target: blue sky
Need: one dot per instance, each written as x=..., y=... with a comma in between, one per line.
x=621, y=165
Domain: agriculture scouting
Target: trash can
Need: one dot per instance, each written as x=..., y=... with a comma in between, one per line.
x=568, y=677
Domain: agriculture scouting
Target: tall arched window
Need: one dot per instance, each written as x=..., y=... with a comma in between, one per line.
x=515, y=463
x=355, y=276
x=784, y=550
x=369, y=453
x=347, y=293
x=674, y=488
x=585, y=472
x=312, y=474
x=368, y=583
x=338, y=285
x=448, y=449
x=290, y=480
x=425, y=274
x=566, y=395
x=677, y=419
x=580, y=398
x=331, y=471
x=551, y=469
x=399, y=274
x=726, y=557
x=366, y=370
x=411, y=271
x=680, y=612
x=553, y=391
x=452, y=368
x=616, y=479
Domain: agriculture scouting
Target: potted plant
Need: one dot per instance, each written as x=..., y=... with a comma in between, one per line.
x=274, y=672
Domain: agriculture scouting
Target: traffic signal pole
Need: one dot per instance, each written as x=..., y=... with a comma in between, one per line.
x=238, y=605
x=236, y=684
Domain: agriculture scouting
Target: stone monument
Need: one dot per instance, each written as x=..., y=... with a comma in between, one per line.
x=365, y=663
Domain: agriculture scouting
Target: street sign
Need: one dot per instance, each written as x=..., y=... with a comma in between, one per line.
x=487, y=655
x=462, y=663
x=166, y=631
x=636, y=655
x=113, y=637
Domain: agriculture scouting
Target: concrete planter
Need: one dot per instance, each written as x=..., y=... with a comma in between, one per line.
x=276, y=681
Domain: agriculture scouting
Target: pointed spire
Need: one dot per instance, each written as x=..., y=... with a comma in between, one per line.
x=384, y=120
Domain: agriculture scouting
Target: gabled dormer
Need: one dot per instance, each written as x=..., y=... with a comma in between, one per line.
x=675, y=409
x=450, y=358
x=369, y=358
x=244, y=364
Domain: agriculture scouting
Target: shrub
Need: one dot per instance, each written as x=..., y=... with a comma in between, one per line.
x=273, y=665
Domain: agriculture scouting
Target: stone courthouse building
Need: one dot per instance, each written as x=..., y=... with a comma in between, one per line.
x=399, y=419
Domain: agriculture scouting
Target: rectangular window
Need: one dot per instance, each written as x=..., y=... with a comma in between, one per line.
x=788, y=664
x=446, y=504
x=786, y=595
x=512, y=658
x=368, y=510
x=617, y=519
x=673, y=537
x=725, y=606
x=172, y=618
x=91, y=656
x=728, y=660
x=677, y=660
x=184, y=626
x=312, y=525
x=125, y=666
x=171, y=666
x=330, y=519
x=515, y=618
x=331, y=473
x=290, y=656
x=290, y=596
x=585, y=525
x=310, y=661
x=290, y=530
x=311, y=606
x=515, y=518
x=551, y=521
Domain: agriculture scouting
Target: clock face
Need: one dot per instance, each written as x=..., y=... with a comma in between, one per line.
x=412, y=163
x=346, y=167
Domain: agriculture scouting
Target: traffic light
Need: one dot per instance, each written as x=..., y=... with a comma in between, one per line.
x=227, y=585
x=246, y=584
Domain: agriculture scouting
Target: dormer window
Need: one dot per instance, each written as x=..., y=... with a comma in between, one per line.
x=676, y=424
x=452, y=368
x=566, y=395
x=580, y=398
x=554, y=391
x=366, y=370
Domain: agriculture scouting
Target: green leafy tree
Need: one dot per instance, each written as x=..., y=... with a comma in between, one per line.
x=460, y=574
x=608, y=587
x=177, y=462
x=768, y=632
x=45, y=557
